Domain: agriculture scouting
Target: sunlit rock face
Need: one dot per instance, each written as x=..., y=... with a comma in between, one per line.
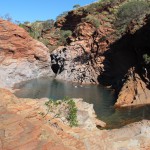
x=21, y=57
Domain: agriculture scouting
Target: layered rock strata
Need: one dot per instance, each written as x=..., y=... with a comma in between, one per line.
x=21, y=57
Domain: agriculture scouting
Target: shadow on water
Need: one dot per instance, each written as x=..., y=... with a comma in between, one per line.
x=102, y=98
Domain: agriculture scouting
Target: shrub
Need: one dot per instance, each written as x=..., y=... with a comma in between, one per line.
x=100, y=6
x=94, y=7
x=72, y=117
x=146, y=58
x=76, y=6
x=130, y=11
x=35, y=34
x=64, y=34
x=44, y=41
x=26, y=22
x=65, y=13
x=7, y=17
x=63, y=108
x=91, y=19
x=48, y=24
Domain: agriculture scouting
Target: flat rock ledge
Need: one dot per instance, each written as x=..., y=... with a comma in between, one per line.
x=23, y=127
x=85, y=115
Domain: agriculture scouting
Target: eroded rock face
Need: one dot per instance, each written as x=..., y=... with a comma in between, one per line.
x=21, y=57
x=72, y=63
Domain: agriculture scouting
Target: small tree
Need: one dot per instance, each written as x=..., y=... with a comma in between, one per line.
x=76, y=6
x=65, y=13
x=48, y=24
x=146, y=58
x=17, y=22
x=26, y=22
x=7, y=17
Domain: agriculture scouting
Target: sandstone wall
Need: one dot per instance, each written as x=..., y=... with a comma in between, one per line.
x=21, y=57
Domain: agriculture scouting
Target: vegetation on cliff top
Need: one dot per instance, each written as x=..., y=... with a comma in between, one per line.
x=131, y=11
x=45, y=32
x=116, y=14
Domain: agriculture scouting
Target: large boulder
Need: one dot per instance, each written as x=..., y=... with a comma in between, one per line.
x=21, y=57
x=133, y=92
x=72, y=63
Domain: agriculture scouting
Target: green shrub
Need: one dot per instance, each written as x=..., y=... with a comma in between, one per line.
x=64, y=34
x=130, y=11
x=26, y=22
x=68, y=105
x=76, y=6
x=72, y=117
x=146, y=58
x=92, y=8
x=48, y=24
x=65, y=13
x=100, y=6
x=91, y=19
x=35, y=34
x=44, y=41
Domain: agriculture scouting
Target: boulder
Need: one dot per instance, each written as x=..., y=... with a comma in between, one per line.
x=133, y=92
x=86, y=115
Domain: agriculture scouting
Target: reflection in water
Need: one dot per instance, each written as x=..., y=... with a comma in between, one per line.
x=102, y=99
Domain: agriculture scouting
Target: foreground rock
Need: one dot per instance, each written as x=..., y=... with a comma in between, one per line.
x=21, y=57
x=22, y=127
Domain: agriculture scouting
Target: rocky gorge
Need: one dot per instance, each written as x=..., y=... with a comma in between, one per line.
x=109, y=54
x=92, y=55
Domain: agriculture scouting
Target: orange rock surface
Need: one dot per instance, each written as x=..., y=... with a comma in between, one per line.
x=21, y=57
x=23, y=127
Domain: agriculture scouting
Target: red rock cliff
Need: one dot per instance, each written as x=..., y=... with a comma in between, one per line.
x=21, y=57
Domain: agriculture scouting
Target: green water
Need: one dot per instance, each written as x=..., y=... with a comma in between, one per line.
x=102, y=99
